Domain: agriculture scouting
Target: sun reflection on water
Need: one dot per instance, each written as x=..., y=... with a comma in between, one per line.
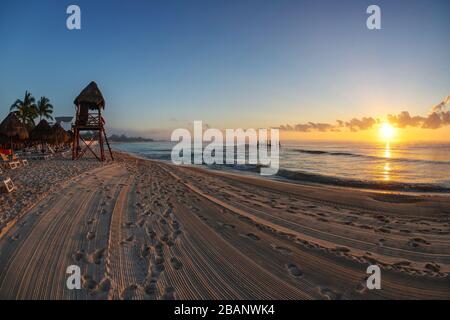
x=387, y=165
x=387, y=171
x=387, y=151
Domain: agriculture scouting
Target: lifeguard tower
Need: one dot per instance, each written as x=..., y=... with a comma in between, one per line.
x=88, y=118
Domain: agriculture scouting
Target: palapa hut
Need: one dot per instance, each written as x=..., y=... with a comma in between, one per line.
x=12, y=130
x=58, y=135
x=41, y=133
x=70, y=134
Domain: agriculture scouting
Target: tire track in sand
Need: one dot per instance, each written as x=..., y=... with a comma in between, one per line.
x=34, y=266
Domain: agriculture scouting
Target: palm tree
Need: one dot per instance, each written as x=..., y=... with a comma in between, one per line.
x=25, y=109
x=44, y=109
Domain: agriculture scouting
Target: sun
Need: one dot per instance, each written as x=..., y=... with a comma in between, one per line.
x=387, y=131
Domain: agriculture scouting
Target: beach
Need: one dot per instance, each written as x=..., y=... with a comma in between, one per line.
x=145, y=229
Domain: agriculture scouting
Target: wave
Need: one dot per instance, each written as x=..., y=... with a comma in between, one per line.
x=306, y=177
x=356, y=155
x=328, y=152
x=363, y=184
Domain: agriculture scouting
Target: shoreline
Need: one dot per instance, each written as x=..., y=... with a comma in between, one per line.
x=326, y=181
x=145, y=229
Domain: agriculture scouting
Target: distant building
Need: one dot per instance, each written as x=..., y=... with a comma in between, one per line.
x=65, y=122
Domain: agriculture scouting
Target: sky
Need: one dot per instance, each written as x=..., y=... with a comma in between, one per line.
x=248, y=63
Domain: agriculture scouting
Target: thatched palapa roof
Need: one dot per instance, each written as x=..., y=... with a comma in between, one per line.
x=58, y=134
x=41, y=132
x=91, y=97
x=70, y=135
x=12, y=128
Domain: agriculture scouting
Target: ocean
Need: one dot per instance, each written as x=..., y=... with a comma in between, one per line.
x=401, y=167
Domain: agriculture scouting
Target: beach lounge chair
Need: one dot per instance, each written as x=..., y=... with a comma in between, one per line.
x=37, y=156
x=7, y=183
x=23, y=161
x=8, y=163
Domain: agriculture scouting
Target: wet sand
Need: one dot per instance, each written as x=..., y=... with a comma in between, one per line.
x=142, y=229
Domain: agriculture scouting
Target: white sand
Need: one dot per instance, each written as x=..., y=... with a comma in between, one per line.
x=147, y=230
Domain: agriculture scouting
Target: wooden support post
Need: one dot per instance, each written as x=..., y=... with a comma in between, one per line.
x=100, y=136
x=107, y=143
x=94, y=122
x=88, y=147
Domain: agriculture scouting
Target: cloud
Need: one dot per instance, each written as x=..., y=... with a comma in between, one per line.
x=441, y=105
x=437, y=118
x=310, y=126
x=360, y=124
x=404, y=120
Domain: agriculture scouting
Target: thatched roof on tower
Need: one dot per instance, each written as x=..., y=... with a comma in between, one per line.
x=90, y=97
x=12, y=128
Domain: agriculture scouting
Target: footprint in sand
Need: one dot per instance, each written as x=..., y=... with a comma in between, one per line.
x=361, y=287
x=150, y=289
x=141, y=222
x=176, y=264
x=79, y=256
x=88, y=282
x=384, y=230
x=434, y=267
x=329, y=294
x=14, y=237
x=145, y=250
x=128, y=224
x=158, y=266
x=246, y=219
x=168, y=294
x=104, y=285
x=294, y=270
x=151, y=233
x=159, y=248
x=251, y=236
x=341, y=250
x=176, y=233
x=175, y=225
x=416, y=242
x=402, y=264
x=129, y=292
x=282, y=250
x=97, y=256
